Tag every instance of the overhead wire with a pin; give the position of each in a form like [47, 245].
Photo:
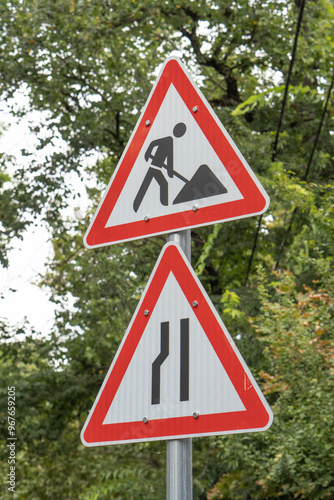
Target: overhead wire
[279, 126]
[304, 178]
[319, 129]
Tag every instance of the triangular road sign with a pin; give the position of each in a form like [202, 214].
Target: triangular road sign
[180, 169]
[177, 372]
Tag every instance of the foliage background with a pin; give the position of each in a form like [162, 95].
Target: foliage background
[90, 66]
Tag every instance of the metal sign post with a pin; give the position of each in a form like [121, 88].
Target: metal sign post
[179, 451]
[176, 127]
[179, 469]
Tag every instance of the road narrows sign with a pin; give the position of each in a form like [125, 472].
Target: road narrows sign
[177, 372]
[180, 169]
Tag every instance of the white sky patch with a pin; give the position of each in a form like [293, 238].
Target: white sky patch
[21, 298]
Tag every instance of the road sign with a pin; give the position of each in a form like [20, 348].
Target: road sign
[180, 169]
[177, 372]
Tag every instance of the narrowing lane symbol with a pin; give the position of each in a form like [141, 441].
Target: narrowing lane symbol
[164, 353]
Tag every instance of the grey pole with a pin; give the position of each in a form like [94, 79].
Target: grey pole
[179, 451]
[182, 238]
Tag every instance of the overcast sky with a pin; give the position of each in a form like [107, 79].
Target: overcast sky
[28, 257]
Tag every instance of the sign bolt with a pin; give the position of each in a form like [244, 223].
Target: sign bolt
[195, 208]
[148, 123]
[146, 312]
[195, 109]
[146, 218]
[196, 414]
[195, 303]
[145, 420]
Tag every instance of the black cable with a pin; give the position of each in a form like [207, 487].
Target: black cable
[319, 129]
[273, 157]
[254, 248]
[293, 56]
[307, 169]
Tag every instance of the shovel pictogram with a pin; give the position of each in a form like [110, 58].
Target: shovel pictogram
[203, 184]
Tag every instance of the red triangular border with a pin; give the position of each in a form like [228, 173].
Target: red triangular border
[257, 415]
[255, 200]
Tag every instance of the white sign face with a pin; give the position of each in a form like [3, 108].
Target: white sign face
[210, 389]
[180, 169]
[149, 180]
[177, 372]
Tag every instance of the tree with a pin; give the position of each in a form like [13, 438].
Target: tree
[90, 67]
[296, 458]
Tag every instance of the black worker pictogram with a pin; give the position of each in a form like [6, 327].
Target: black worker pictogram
[160, 155]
